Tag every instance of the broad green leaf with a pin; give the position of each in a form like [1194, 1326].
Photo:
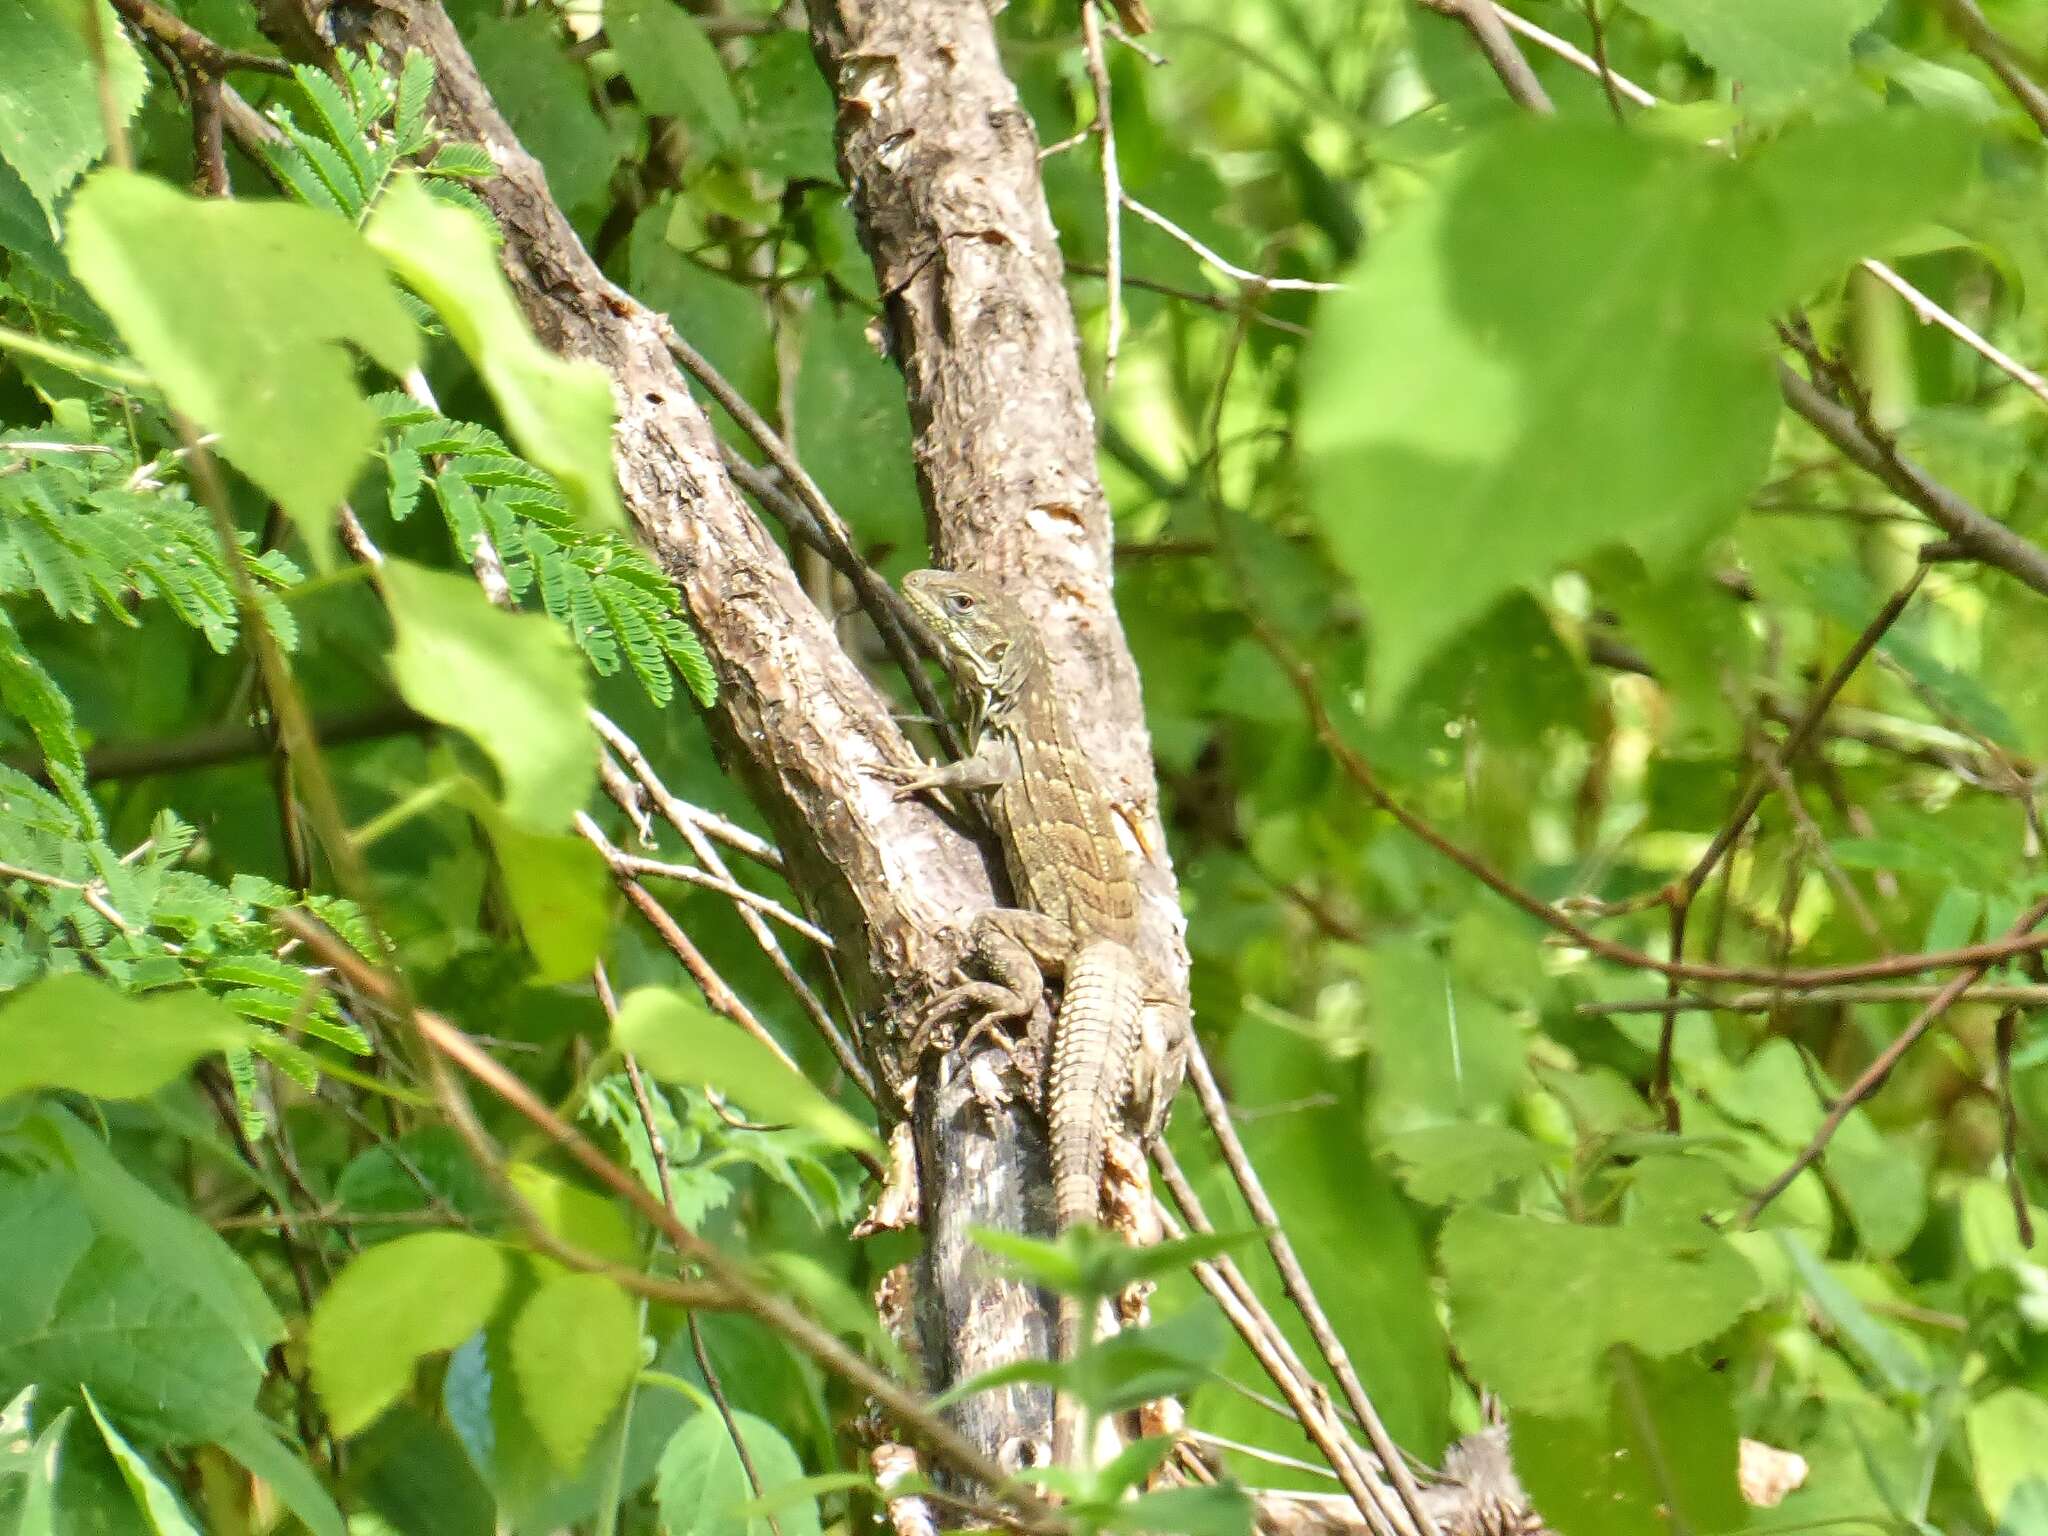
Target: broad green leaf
[1464, 1161]
[185, 1253]
[387, 1177]
[574, 1214]
[1560, 414]
[558, 412]
[239, 311]
[1870, 1338]
[789, 111]
[1543, 1342]
[50, 123]
[1441, 1051]
[83, 1034]
[575, 1348]
[512, 682]
[160, 1506]
[545, 97]
[1771, 48]
[1833, 211]
[1661, 1456]
[673, 67]
[413, 1472]
[95, 1311]
[256, 1446]
[560, 891]
[1221, 1509]
[680, 1040]
[2008, 1433]
[703, 1487]
[724, 320]
[1591, 306]
[391, 1305]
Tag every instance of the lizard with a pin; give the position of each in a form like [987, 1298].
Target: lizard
[1077, 917]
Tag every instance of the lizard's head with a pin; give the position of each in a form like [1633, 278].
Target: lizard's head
[986, 638]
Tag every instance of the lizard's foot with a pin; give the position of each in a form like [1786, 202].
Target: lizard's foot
[910, 779]
[1026, 1052]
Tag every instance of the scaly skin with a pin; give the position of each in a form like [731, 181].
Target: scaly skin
[1078, 912]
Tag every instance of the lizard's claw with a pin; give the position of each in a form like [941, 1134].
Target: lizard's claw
[909, 779]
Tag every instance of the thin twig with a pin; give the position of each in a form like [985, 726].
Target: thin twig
[1489, 30]
[689, 874]
[1295, 1280]
[1112, 187]
[643, 1101]
[1874, 1075]
[1360, 772]
[874, 593]
[2031, 995]
[1257, 282]
[1227, 1286]
[1982, 39]
[732, 1285]
[1802, 733]
[2009, 1127]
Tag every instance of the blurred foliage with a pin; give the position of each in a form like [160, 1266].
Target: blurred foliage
[1520, 490]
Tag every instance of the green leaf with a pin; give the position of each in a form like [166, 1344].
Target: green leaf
[2008, 1434]
[256, 1446]
[1662, 1457]
[575, 1349]
[1858, 1326]
[575, 1215]
[1222, 1509]
[98, 1312]
[391, 1305]
[238, 310]
[1591, 305]
[1543, 1341]
[560, 891]
[1465, 1161]
[789, 111]
[1832, 210]
[673, 68]
[559, 412]
[50, 123]
[153, 1497]
[1770, 47]
[80, 1033]
[546, 99]
[680, 1040]
[511, 682]
[1442, 1051]
[702, 1486]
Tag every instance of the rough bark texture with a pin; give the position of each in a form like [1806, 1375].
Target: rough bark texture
[796, 719]
[941, 162]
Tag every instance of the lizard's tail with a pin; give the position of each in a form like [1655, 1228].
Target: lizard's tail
[1093, 1039]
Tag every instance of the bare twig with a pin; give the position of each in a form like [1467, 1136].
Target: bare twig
[2009, 1127]
[1489, 30]
[1296, 1282]
[1762, 1002]
[1800, 737]
[1112, 188]
[731, 1285]
[1874, 1075]
[1258, 282]
[1982, 39]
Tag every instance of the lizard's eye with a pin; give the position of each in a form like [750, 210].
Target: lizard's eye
[959, 602]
